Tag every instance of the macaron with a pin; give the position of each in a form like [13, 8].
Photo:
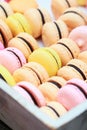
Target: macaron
[6, 76]
[53, 31]
[58, 6]
[54, 109]
[25, 43]
[74, 17]
[1, 46]
[82, 2]
[32, 72]
[51, 87]
[83, 56]
[12, 58]
[79, 35]
[34, 95]
[48, 58]
[5, 10]
[5, 33]
[67, 49]
[22, 6]
[73, 93]
[18, 23]
[75, 68]
[37, 18]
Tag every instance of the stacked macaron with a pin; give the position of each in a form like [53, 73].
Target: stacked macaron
[32, 72]
[12, 58]
[25, 43]
[73, 93]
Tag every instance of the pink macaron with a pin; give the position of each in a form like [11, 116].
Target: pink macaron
[1, 46]
[79, 35]
[32, 93]
[12, 58]
[73, 93]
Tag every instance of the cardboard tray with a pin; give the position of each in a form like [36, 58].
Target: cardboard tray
[19, 114]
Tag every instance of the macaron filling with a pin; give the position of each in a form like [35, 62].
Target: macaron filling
[42, 16]
[1, 76]
[59, 31]
[16, 56]
[3, 37]
[28, 44]
[68, 3]
[67, 48]
[75, 13]
[4, 11]
[54, 110]
[55, 83]
[79, 70]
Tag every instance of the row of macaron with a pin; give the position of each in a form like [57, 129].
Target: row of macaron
[38, 22]
[55, 97]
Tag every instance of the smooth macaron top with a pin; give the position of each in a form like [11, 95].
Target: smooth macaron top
[48, 58]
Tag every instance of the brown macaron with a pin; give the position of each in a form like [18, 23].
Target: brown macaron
[53, 31]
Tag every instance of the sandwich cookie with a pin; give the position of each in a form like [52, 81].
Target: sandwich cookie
[51, 87]
[48, 58]
[83, 56]
[73, 93]
[5, 33]
[25, 43]
[37, 18]
[32, 72]
[12, 59]
[5, 10]
[74, 17]
[18, 23]
[54, 109]
[82, 2]
[33, 94]
[58, 6]
[22, 6]
[79, 35]
[6, 76]
[1, 46]
[53, 31]
[75, 68]
[67, 49]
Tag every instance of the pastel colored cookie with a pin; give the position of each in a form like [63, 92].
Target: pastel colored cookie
[5, 33]
[32, 72]
[12, 58]
[51, 87]
[34, 95]
[83, 56]
[1, 46]
[5, 10]
[18, 23]
[79, 35]
[53, 31]
[48, 58]
[37, 18]
[74, 17]
[82, 2]
[59, 6]
[22, 6]
[6, 76]
[25, 43]
[54, 109]
[73, 93]
[67, 49]
[75, 68]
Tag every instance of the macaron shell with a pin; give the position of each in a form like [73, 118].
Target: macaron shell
[1, 46]
[53, 31]
[34, 18]
[46, 57]
[58, 7]
[79, 35]
[6, 33]
[74, 17]
[83, 56]
[34, 91]
[22, 6]
[7, 76]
